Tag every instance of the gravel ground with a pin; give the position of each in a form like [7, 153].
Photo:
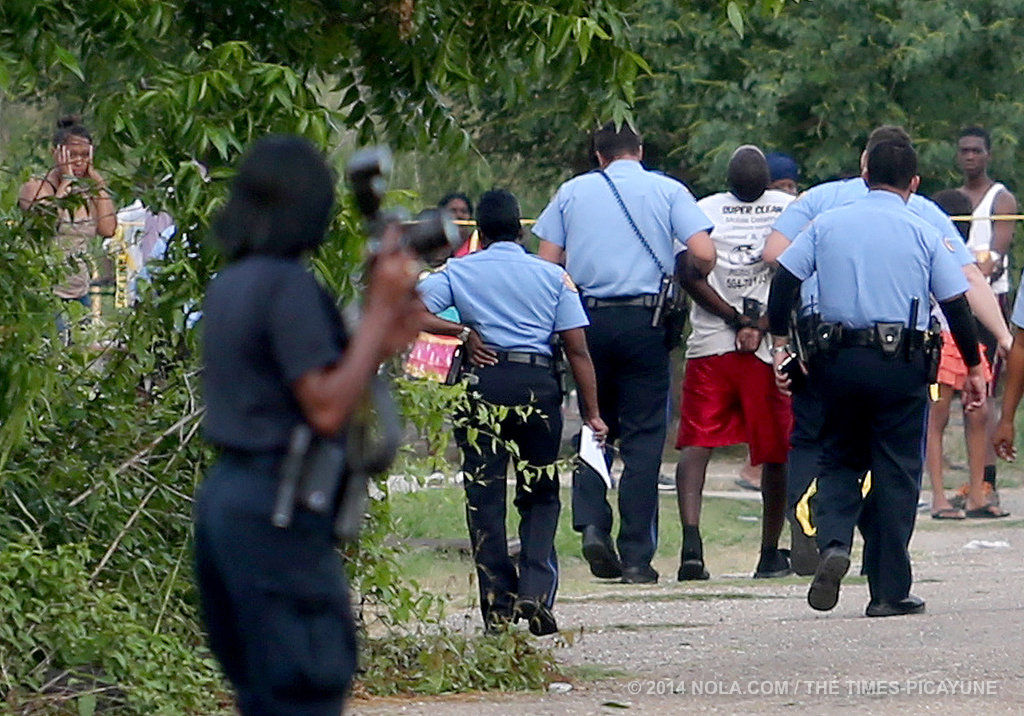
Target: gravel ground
[734, 645]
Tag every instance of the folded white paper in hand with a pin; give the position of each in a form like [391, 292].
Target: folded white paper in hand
[592, 454]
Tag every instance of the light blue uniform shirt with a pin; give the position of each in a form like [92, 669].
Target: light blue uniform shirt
[834, 194]
[872, 257]
[1017, 318]
[514, 300]
[602, 253]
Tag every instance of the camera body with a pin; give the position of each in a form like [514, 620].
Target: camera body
[431, 233]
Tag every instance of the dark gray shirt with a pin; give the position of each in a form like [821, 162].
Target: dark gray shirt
[266, 322]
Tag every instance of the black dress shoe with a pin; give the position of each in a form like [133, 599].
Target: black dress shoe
[645, 574]
[600, 554]
[497, 621]
[692, 569]
[824, 591]
[908, 605]
[774, 566]
[803, 553]
[539, 618]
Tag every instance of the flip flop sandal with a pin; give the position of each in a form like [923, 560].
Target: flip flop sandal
[987, 513]
[948, 513]
[746, 484]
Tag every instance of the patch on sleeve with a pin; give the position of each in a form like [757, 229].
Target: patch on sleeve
[568, 283]
[948, 243]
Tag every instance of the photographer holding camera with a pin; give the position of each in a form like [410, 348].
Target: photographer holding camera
[277, 357]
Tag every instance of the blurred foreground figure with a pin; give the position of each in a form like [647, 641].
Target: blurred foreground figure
[276, 357]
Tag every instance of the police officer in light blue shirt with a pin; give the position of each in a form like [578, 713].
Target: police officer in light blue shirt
[805, 440]
[511, 304]
[877, 264]
[616, 231]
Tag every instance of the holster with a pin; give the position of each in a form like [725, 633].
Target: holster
[933, 348]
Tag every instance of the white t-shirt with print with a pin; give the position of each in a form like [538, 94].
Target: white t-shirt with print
[740, 230]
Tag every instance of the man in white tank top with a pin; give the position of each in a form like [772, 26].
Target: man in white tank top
[990, 241]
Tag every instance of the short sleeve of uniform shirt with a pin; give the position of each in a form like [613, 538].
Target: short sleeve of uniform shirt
[687, 217]
[947, 277]
[934, 215]
[436, 291]
[569, 312]
[549, 226]
[301, 325]
[798, 258]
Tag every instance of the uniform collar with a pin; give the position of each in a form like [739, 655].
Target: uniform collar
[624, 166]
[884, 195]
[509, 246]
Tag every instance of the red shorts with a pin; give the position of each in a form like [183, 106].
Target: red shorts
[952, 369]
[732, 398]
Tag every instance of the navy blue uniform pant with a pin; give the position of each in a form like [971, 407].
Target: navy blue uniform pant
[274, 601]
[632, 367]
[874, 410]
[485, 465]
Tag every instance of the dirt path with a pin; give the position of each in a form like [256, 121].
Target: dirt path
[734, 645]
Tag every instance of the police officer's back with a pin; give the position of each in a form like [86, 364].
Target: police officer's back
[617, 231]
[511, 304]
[877, 265]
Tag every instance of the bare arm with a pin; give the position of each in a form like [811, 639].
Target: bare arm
[985, 306]
[1002, 231]
[582, 366]
[100, 204]
[1004, 434]
[774, 245]
[701, 250]
[551, 252]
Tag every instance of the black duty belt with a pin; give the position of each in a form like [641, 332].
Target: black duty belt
[524, 358]
[872, 338]
[648, 300]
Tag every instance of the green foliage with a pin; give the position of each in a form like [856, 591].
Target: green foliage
[98, 445]
[64, 633]
[453, 661]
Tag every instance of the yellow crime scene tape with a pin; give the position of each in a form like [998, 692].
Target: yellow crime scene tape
[993, 217]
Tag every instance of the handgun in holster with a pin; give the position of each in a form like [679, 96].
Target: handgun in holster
[560, 363]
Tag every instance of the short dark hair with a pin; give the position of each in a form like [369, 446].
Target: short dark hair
[976, 131]
[443, 203]
[955, 203]
[70, 125]
[748, 173]
[892, 163]
[498, 216]
[280, 200]
[886, 133]
[612, 142]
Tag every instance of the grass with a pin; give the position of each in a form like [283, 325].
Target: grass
[730, 528]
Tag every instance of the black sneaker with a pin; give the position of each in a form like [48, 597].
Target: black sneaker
[824, 591]
[600, 554]
[692, 569]
[775, 566]
[497, 621]
[644, 574]
[539, 618]
[909, 605]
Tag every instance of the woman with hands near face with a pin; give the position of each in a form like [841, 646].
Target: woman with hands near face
[78, 223]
